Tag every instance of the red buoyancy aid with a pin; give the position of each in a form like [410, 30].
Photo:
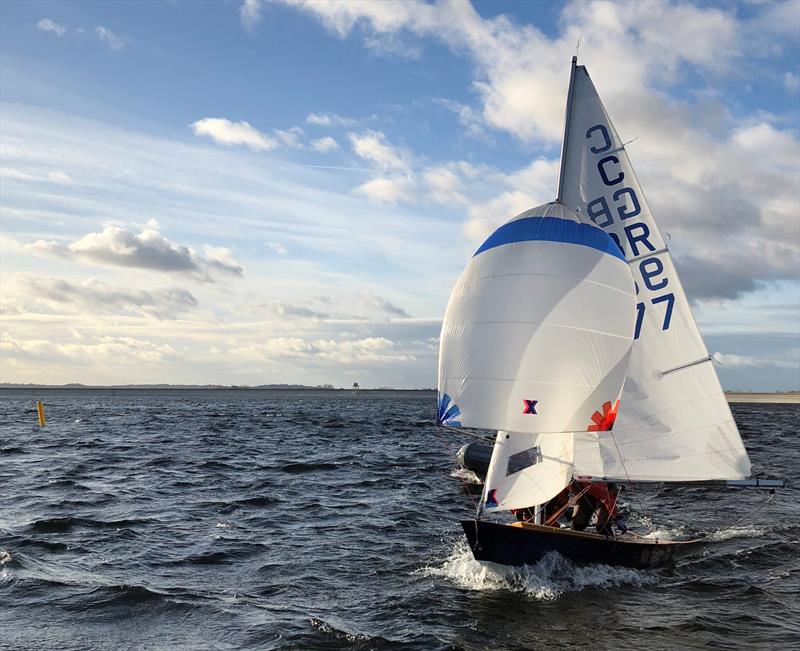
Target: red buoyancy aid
[601, 492]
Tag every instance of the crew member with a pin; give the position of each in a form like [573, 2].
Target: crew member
[599, 499]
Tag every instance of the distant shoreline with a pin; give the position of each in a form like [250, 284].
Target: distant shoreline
[781, 398]
[777, 397]
[194, 387]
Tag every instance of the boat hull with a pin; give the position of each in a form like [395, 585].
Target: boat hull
[526, 544]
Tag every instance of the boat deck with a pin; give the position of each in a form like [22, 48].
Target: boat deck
[627, 537]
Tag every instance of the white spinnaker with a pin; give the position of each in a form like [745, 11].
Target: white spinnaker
[674, 422]
[538, 329]
[527, 469]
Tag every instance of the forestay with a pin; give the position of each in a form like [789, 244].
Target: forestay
[674, 422]
[538, 329]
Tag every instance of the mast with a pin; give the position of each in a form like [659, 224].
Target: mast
[568, 114]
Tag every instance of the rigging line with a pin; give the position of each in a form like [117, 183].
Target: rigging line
[464, 432]
[465, 487]
[744, 517]
[624, 467]
[730, 526]
[570, 502]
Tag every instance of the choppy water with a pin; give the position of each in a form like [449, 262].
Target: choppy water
[265, 520]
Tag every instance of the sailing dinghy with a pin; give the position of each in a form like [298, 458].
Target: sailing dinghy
[570, 334]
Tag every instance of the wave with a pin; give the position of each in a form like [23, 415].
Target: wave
[258, 500]
[217, 465]
[683, 533]
[548, 579]
[297, 468]
[63, 524]
[357, 640]
[210, 558]
[736, 532]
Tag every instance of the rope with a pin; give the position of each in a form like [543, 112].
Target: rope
[464, 483]
[624, 467]
[464, 432]
[730, 526]
[570, 502]
[744, 517]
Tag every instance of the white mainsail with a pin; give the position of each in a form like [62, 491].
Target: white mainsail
[535, 340]
[674, 422]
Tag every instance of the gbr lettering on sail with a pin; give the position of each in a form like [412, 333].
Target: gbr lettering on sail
[618, 210]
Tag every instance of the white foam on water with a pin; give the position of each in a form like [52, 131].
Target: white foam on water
[5, 572]
[465, 475]
[736, 532]
[548, 579]
[668, 533]
[339, 633]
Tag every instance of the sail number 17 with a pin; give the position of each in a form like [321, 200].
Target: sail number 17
[669, 299]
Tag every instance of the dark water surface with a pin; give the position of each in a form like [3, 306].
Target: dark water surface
[267, 520]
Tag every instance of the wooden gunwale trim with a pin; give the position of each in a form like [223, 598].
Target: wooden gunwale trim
[591, 536]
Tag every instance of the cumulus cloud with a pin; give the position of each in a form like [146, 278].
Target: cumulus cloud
[370, 350]
[325, 144]
[730, 359]
[290, 138]
[530, 186]
[250, 13]
[290, 311]
[391, 190]
[468, 117]
[150, 250]
[714, 181]
[374, 147]
[226, 132]
[330, 120]
[97, 297]
[47, 25]
[375, 302]
[444, 185]
[95, 351]
[792, 82]
[108, 37]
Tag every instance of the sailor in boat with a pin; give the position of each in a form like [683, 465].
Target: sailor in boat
[588, 500]
[597, 499]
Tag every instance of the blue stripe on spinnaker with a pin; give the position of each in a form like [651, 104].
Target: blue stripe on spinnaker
[447, 411]
[552, 229]
[451, 413]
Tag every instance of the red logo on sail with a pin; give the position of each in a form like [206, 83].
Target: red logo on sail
[605, 421]
[529, 406]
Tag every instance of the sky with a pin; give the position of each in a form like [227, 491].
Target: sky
[286, 192]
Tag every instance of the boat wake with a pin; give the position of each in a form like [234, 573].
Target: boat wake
[548, 579]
